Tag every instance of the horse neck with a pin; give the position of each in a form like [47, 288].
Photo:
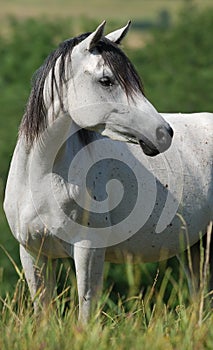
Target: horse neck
[44, 150]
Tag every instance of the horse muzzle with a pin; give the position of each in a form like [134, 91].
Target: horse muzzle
[164, 135]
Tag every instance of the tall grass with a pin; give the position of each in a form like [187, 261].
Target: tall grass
[141, 321]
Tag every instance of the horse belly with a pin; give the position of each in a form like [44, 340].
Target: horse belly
[147, 245]
[183, 205]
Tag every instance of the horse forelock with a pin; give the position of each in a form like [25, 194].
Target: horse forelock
[121, 67]
[34, 120]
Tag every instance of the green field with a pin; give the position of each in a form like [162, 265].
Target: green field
[110, 9]
[118, 11]
[135, 321]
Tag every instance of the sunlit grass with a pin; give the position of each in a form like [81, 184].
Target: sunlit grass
[140, 321]
[146, 324]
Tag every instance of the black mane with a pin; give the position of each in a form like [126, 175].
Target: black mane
[34, 120]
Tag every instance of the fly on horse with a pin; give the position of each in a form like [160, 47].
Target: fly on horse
[98, 173]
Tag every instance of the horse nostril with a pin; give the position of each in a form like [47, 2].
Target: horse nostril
[162, 133]
[170, 131]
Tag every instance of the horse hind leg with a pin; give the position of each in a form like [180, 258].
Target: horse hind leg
[190, 262]
[198, 265]
[211, 267]
[40, 276]
[207, 270]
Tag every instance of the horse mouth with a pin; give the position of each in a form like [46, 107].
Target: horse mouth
[148, 147]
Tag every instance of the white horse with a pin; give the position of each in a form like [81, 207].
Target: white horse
[74, 190]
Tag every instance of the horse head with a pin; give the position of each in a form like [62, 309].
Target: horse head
[90, 79]
[105, 94]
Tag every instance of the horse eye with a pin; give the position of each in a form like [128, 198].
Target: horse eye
[106, 81]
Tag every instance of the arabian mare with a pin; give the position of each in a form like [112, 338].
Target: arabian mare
[98, 173]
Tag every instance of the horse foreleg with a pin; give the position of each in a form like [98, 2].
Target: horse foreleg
[40, 276]
[89, 265]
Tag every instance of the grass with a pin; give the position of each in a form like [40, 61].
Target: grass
[142, 321]
[146, 325]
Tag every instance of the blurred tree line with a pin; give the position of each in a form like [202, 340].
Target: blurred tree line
[175, 66]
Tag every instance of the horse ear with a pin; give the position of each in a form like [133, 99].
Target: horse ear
[97, 35]
[118, 35]
[92, 40]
